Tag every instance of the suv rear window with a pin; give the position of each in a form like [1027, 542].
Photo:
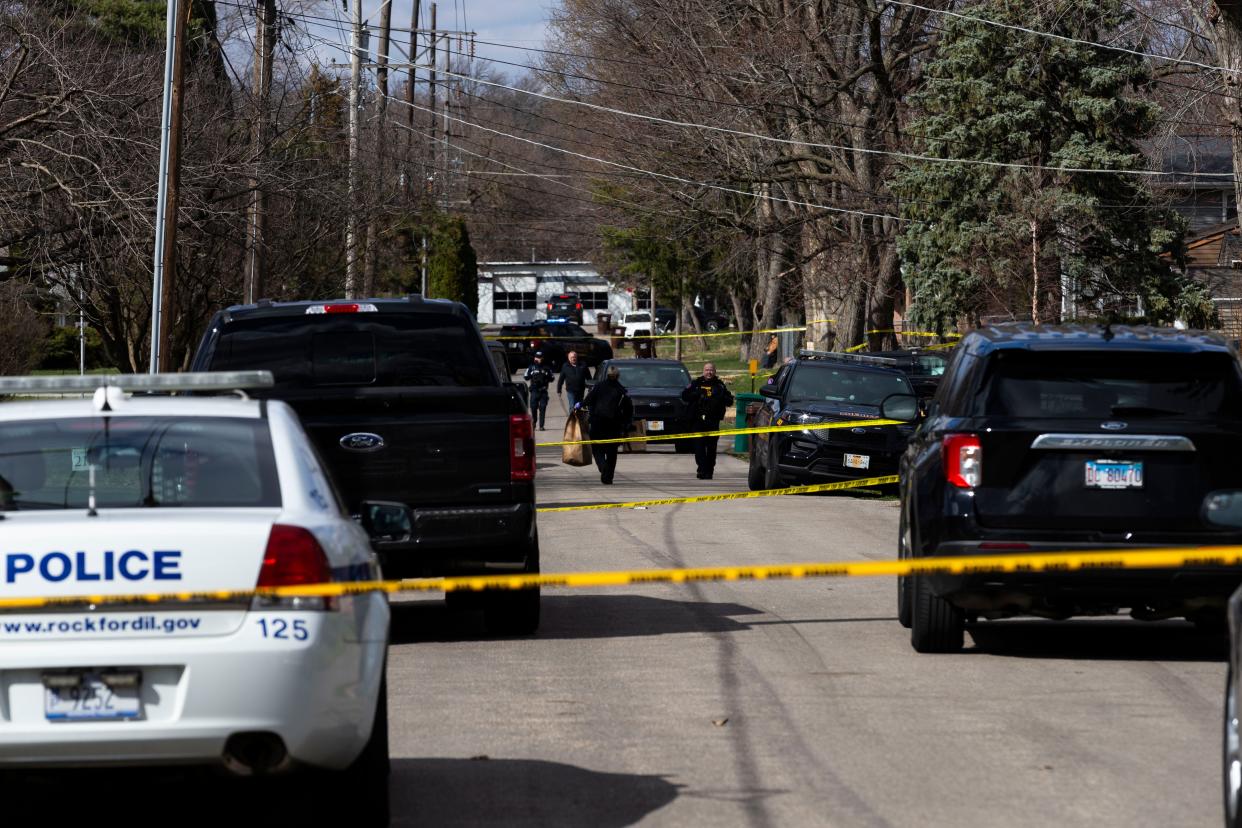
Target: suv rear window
[367, 349]
[138, 462]
[1104, 385]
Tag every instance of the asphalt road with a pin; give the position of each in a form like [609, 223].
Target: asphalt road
[783, 703]
[751, 704]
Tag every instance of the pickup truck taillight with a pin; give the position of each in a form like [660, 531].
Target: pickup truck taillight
[293, 558]
[521, 448]
[963, 460]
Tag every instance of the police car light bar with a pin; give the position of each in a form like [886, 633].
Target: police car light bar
[205, 381]
[844, 357]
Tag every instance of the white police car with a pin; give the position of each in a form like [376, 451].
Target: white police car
[137, 494]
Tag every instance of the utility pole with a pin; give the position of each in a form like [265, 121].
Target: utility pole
[256, 236]
[435, 148]
[351, 221]
[371, 267]
[407, 174]
[164, 281]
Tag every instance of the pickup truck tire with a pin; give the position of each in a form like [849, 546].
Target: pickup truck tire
[937, 626]
[514, 612]
[712, 326]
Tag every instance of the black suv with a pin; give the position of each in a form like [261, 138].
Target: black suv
[405, 405]
[1068, 438]
[564, 307]
[819, 387]
[555, 339]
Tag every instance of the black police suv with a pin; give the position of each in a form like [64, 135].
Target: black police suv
[655, 387]
[1050, 438]
[819, 387]
[555, 339]
[405, 405]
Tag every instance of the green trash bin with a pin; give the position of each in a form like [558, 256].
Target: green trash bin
[741, 442]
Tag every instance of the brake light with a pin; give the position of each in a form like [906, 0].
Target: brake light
[293, 558]
[963, 460]
[351, 307]
[521, 448]
[578, 306]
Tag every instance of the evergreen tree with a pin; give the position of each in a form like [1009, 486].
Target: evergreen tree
[985, 232]
[452, 267]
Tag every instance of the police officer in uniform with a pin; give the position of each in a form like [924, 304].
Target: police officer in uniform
[708, 399]
[611, 412]
[538, 377]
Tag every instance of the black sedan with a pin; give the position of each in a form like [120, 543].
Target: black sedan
[655, 387]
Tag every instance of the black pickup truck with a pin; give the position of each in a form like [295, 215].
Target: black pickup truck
[405, 405]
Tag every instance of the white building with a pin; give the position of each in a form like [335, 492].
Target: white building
[513, 292]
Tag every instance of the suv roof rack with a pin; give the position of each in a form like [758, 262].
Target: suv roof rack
[166, 383]
[838, 356]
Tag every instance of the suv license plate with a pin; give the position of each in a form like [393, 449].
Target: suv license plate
[90, 700]
[655, 425]
[858, 461]
[1113, 474]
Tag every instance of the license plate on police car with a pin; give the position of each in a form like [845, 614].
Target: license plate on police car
[857, 461]
[1114, 474]
[655, 425]
[90, 699]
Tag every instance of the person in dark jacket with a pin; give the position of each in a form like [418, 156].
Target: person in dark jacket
[610, 413]
[574, 376]
[708, 399]
[538, 377]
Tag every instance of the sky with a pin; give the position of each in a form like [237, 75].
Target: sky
[517, 23]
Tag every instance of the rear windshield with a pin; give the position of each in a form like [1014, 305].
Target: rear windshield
[816, 382]
[653, 376]
[1104, 385]
[138, 462]
[638, 317]
[358, 349]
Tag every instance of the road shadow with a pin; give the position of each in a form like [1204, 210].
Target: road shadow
[575, 617]
[421, 792]
[520, 792]
[1098, 640]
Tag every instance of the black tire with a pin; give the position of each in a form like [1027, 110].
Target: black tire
[514, 612]
[905, 610]
[367, 778]
[712, 326]
[1231, 764]
[772, 471]
[683, 446]
[756, 476]
[936, 626]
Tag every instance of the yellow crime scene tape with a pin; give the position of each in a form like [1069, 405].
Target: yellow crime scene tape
[666, 336]
[1159, 558]
[724, 432]
[716, 498]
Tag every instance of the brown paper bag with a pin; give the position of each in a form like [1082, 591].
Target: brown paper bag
[639, 429]
[576, 429]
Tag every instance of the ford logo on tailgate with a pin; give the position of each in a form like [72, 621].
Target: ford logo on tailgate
[362, 441]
